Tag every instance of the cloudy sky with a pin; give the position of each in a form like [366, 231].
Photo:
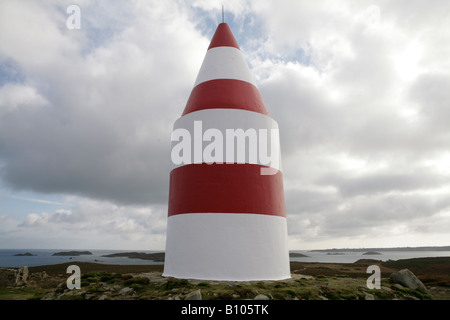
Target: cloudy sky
[360, 89]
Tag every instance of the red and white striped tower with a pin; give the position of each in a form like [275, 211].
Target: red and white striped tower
[226, 218]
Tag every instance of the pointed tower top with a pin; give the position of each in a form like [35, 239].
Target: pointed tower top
[223, 37]
[224, 80]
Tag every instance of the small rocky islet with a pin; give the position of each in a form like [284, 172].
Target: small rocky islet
[297, 255]
[157, 256]
[26, 254]
[72, 253]
[371, 253]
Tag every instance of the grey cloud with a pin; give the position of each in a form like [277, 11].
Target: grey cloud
[431, 94]
[304, 201]
[368, 215]
[105, 132]
[383, 182]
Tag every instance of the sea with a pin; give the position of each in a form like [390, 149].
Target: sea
[353, 256]
[40, 257]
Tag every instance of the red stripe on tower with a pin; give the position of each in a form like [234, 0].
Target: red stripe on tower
[237, 188]
[225, 94]
[223, 37]
[226, 219]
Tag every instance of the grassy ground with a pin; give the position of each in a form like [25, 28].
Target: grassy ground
[310, 281]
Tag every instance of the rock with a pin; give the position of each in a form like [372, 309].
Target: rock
[407, 278]
[126, 291]
[116, 287]
[65, 293]
[105, 287]
[369, 296]
[25, 274]
[408, 297]
[89, 296]
[49, 296]
[22, 276]
[7, 277]
[194, 295]
[397, 286]
[40, 275]
[261, 297]
[103, 297]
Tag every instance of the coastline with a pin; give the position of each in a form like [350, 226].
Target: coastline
[35, 257]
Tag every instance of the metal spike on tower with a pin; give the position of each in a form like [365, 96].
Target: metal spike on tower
[226, 216]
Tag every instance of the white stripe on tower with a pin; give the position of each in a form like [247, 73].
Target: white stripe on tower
[226, 221]
[254, 125]
[224, 63]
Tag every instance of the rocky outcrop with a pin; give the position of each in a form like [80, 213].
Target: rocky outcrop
[126, 291]
[368, 296]
[406, 278]
[21, 276]
[195, 295]
[7, 277]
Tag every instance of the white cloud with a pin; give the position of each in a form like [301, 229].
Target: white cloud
[14, 97]
[90, 224]
[109, 109]
[354, 112]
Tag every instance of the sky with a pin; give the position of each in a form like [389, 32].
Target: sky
[360, 90]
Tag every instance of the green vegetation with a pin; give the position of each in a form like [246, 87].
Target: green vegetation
[310, 281]
[21, 294]
[176, 283]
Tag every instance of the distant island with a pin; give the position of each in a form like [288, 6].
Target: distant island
[335, 253]
[370, 253]
[439, 248]
[26, 254]
[297, 255]
[72, 253]
[158, 256]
